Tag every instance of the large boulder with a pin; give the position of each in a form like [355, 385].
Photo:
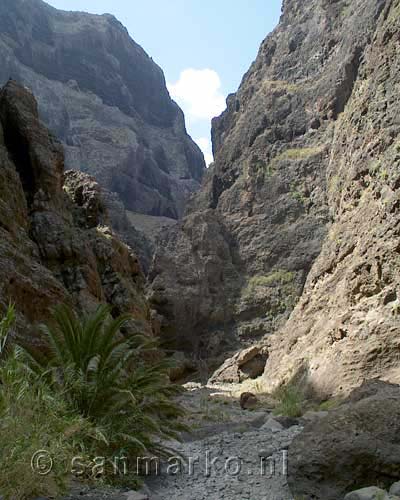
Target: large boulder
[246, 364]
[354, 446]
[372, 493]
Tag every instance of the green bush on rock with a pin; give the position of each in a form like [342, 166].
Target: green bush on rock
[279, 276]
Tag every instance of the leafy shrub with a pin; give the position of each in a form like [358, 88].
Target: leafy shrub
[296, 192]
[89, 394]
[32, 418]
[280, 276]
[261, 167]
[103, 377]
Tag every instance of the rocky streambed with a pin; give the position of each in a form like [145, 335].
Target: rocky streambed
[231, 465]
[350, 452]
[230, 454]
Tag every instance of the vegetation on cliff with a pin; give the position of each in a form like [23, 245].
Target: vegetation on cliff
[89, 393]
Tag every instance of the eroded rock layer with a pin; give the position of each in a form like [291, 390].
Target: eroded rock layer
[55, 243]
[346, 327]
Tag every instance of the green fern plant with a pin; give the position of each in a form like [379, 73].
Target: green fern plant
[102, 375]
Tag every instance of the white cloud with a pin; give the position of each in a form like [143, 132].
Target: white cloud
[198, 93]
[205, 145]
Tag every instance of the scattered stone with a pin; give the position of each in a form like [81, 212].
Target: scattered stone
[372, 493]
[313, 415]
[272, 425]
[183, 366]
[259, 452]
[395, 489]
[266, 452]
[136, 495]
[248, 401]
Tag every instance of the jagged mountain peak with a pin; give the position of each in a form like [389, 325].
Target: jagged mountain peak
[106, 99]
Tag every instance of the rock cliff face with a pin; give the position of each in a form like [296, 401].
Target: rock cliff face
[233, 270]
[301, 207]
[55, 245]
[102, 95]
[347, 322]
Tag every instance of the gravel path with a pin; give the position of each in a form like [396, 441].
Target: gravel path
[231, 454]
[229, 466]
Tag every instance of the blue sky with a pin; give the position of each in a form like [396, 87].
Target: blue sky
[204, 47]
